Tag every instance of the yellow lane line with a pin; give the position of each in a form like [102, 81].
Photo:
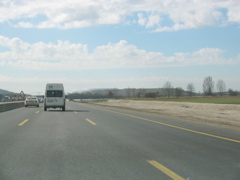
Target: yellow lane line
[165, 170]
[37, 112]
[177, 127]
[93, 123]
[22, 123]
[75, 111]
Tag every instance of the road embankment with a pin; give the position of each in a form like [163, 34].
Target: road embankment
[221, 114]
[6, 106]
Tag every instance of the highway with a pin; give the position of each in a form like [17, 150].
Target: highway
[92, 142]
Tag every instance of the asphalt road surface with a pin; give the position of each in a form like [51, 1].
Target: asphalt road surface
[89, 142]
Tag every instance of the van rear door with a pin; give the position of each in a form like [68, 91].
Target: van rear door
[55, 98]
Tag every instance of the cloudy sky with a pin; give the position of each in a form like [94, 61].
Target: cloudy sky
[88, 44]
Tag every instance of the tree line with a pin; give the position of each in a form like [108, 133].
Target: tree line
[221, 89]
[209, 89]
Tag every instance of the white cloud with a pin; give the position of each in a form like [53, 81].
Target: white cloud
[84, 13]
[148, 21]
[66, 55]
[141, 19]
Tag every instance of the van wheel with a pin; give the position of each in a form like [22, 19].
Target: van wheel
[63, 109]
[45, 108]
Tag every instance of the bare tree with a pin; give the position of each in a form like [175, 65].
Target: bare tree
[110, 94]
[232, 92]
[179, 92]
[221, 87]
[128, 90]
[141, 93]
[191, 89]
[115, 92]
[208, 86]
[133, 92]
[168, 89]
[151, 95]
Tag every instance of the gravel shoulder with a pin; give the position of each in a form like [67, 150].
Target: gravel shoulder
[221, 114]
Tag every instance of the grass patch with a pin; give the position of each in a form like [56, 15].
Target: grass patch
[214, 100]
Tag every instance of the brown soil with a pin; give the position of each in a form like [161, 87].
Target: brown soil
[223, 114]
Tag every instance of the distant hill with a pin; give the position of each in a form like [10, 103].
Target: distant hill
[2, 91]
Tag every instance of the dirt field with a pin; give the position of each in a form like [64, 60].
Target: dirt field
[209, 113]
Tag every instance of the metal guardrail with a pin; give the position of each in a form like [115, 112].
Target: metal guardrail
[6, 106]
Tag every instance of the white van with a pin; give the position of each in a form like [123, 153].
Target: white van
[54, 96]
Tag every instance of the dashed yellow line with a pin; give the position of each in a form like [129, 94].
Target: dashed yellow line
[37, 112]
[165, 170]
[22, 123]
[75, 111]
[93, 123]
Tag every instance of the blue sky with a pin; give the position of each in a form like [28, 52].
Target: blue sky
[118, 44]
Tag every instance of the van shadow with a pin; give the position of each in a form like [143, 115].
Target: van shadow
[31, 107]
[76, 110]
[60, 110]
